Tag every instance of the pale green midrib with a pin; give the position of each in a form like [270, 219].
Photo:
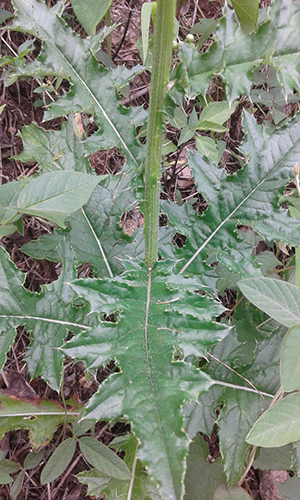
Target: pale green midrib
[39, 414]
[87, 88]
[282, 160]
[98, 243]
[149, 372]
[46, 320]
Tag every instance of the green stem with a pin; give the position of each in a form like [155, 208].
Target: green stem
[8, 221]
[162, 50]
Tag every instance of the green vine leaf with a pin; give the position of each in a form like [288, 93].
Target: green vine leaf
[234, 55]
[249, 197]
[158, 321]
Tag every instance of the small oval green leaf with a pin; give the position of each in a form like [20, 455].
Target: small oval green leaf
[59, 461]
[16, 487]
[103, 459]
[33, 459]
[278, 299]
[279, 425]
[290, 360]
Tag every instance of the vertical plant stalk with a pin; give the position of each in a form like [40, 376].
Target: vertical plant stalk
[162, 49]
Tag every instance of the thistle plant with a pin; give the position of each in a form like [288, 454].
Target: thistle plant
[181, 362]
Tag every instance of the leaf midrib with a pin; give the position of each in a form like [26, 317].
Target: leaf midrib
[89, 91]
[148, 369]
[245, 199]
[46, 320]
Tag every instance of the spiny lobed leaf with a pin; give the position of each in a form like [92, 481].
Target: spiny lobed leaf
[249, 197]
[158, 318]
[253, 352]
[240, 411]
[40, 416]
[93, 88]
[234, 55]
[94, 231]
[53, 149]
[49, 315]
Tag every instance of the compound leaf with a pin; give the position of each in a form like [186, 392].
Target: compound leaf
[154, 314]
[115, 489]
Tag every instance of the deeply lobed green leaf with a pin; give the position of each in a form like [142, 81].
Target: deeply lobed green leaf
[158, 319]
[234, 55]
[93, 88]
[40, 417]
[48, 315]
[249, 197]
